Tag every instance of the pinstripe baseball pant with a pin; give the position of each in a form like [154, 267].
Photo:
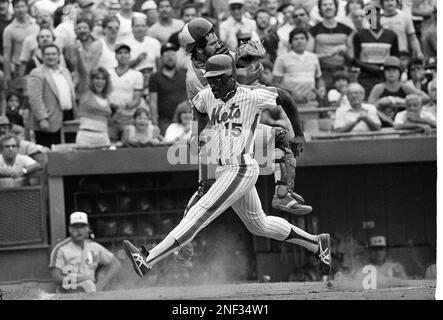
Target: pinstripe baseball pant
[235, 186]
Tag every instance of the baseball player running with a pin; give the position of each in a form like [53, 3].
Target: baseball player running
[233, 112]
[202, 42]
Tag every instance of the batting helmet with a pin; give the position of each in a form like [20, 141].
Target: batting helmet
[193, 31]
[218, 65]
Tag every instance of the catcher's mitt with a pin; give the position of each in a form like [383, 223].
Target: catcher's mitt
[248, 53]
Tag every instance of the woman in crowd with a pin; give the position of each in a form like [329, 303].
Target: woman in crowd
[14, 111]
[179, 129]
[417, 75]
[142, 133]
[389, 96]
[95, 112]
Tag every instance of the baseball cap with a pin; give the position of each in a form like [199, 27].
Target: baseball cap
[431, 63]
[4, 119]
[242, 2]
[121, 46]
[78, 217]
[392, 62]
[168, 47]
[218, 65]
[377, 241]
[194, 31]
[149, 5]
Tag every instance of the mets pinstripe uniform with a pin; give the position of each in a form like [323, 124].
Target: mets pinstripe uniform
[233, 124]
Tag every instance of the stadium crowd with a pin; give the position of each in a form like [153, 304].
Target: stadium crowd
[117, 68]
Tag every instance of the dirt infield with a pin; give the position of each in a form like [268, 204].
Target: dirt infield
[406, 290]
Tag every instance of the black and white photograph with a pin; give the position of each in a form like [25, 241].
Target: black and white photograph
[213, 158]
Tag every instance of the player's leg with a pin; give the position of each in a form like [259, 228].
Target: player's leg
[231, 184]
[285, 198]
[250, 211]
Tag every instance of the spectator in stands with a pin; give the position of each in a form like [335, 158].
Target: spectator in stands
[285, 29]
[338, 96]
[390, 95]
[431, 68]
[78, 258]
[316, 14]
[417, 76]
[236, 22]
[272, 6]
[13, 37]
[431, 107]
[51, 97]
[44, 37]
[401, 23]
[145, 50]
[125, 16]
[107, 59]
[64, 22]
[14, 112]
[149, 8]
[301, 18]
[299, 71]
[405, 59]
[332, 41]
[378, 256]
[355, 15]
[127, 87]
[423, 11]
[97, 29]
[251, 7]
[371, 48]
[167, 88]
[91, 47]
[429, 39]
[49, 5]
[180, 128]
[94, 110]
[267, 33]
[357, 116]
[142, 132]
[166, 24]
[5, 19]
[25, 147]
[31, 46]
[14, 167]
[414, 117]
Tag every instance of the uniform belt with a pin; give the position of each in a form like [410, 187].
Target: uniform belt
[242, 159]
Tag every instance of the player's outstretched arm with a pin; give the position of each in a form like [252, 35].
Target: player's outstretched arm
[289, 106]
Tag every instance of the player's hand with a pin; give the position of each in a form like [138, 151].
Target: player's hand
[297, 145]
[222, 48]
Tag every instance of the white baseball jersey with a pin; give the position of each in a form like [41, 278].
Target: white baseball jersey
[234, 122]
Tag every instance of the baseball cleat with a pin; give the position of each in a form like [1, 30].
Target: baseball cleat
[289, 204]
[137, 257]
[324, 251]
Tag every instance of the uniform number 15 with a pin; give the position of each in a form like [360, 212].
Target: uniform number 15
[233, 128]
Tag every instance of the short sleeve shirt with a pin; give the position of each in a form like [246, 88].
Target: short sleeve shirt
[328, 39]
[123, 86]
[299, 71]
[150, 46]
[15, 34]
[346, 114]
[402, 25]
[162, 33]
[69, 257]
[402, 116]
[21, 161]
